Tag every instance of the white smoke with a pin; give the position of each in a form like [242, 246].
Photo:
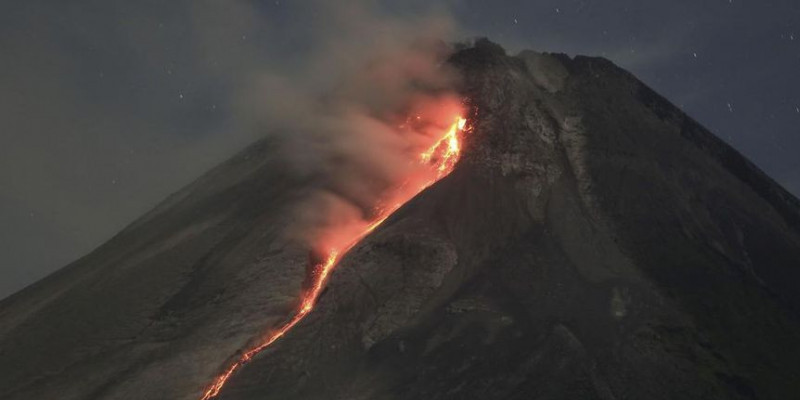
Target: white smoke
[343, 113]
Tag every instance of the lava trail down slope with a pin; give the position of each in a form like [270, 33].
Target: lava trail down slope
[440, 158]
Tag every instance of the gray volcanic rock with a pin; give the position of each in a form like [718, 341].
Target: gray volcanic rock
[593, 243]
[153, 313]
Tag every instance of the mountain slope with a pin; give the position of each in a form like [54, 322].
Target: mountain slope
[594, 242]
[156, 310]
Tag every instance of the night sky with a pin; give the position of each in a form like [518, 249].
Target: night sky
[108, 106]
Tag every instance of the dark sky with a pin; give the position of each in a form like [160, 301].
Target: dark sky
[108, 106]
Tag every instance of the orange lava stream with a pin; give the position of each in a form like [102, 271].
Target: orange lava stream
[442, 157]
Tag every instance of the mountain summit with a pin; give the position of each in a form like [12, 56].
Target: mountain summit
[593, 242]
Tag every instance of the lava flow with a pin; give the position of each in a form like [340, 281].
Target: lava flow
[440, 159]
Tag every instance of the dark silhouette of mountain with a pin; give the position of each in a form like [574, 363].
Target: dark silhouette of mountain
[594, 242]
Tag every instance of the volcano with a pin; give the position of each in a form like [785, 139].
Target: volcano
[592, 242]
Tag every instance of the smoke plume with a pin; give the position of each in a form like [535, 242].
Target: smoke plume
[111, 105]
[369, 97]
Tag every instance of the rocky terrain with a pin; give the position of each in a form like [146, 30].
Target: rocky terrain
[594, 242]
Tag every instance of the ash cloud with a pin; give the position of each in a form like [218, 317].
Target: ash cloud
[372, 93]
[109, 106]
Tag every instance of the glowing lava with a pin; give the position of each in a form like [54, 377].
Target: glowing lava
[440, 158]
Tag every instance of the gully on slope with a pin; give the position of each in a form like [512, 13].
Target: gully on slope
[439, 160]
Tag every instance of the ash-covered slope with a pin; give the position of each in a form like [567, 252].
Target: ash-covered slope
[153, 313]
[593, 243]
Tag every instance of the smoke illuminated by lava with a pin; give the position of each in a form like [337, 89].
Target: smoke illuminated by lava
[370, 123]
[434, 162]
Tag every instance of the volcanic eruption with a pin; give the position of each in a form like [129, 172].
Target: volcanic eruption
[438, 159]
[577, 237]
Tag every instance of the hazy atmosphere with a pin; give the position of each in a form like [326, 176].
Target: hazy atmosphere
[109, 106]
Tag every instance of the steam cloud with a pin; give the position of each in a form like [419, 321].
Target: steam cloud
[113, 104]
[368, 100]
